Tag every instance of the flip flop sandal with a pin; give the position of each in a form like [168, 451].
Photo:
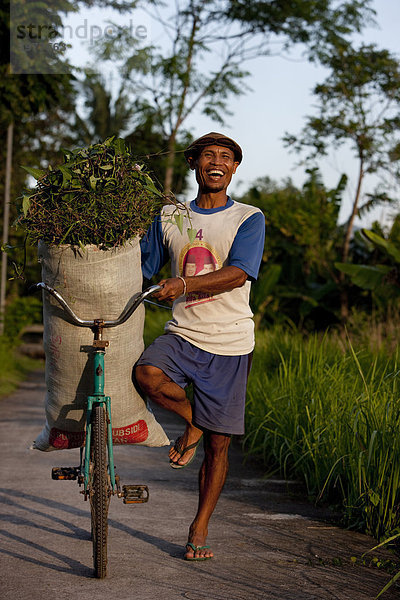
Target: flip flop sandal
[195, 548]
[182, 451]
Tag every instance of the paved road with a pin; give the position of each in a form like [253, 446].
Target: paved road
[268, 543]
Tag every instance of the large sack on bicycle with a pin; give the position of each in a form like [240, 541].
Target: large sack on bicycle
[96, 284]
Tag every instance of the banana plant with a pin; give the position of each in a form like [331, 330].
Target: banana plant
[372, 277]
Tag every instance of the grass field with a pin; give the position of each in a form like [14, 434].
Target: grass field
[329, 414]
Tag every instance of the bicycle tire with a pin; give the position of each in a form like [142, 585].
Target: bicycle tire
[99, 493]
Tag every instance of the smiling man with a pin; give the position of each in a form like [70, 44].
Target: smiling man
[210, 339]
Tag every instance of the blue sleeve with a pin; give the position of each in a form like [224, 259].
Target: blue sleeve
[154, 253]
[248, 246]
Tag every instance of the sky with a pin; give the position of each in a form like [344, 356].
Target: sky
[279, 99]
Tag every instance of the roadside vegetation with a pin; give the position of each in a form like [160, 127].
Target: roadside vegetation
[325, 411]
[322, 408]
[13, 366]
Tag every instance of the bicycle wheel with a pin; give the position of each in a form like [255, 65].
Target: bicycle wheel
[99, 493]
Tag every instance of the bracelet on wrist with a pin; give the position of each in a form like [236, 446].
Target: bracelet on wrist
[184, 284]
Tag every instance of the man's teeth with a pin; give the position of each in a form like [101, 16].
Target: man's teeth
[215, 173]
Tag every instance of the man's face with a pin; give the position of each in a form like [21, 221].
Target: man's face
[214, 167]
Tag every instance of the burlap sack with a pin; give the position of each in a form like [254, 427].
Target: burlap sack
[96, 284]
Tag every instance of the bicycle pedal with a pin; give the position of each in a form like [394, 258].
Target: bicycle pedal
[135, 494]
[66, 473]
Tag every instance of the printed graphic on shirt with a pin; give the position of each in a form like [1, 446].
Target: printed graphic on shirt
[195, 259]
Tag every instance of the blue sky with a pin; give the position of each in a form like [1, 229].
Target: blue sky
[279, 99]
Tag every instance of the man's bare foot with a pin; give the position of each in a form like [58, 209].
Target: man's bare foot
[185, 447]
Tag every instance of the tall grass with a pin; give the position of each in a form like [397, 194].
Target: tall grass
[331, 418]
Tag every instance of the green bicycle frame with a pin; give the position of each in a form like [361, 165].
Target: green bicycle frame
[98, 397]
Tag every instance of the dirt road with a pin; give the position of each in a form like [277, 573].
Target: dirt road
[268, 543]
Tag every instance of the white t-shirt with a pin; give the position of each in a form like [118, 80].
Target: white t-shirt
[218, 323]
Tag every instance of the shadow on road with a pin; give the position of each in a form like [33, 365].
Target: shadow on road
[10, 497]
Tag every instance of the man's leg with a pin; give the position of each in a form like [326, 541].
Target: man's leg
[163, 391]
[212, 477]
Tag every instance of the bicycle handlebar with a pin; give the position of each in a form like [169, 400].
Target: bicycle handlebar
[124, 316]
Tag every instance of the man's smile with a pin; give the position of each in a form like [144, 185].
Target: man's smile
[215, 173]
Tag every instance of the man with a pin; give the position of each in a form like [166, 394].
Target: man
[210, 338]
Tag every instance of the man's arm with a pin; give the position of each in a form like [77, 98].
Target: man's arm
[154, 254]
[219, 281]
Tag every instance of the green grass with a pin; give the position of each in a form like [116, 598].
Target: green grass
[330, 417]
[13, 366]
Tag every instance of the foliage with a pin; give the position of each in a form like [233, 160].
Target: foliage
[104, 116]
[20, 312]
[382, 278]
[154, 322]
[329, 417]
[13, 367]
[37, 105]
[41, 105]
[315, 24]
[358, 103]
[151, 145]
[297, 281]
[26, 97]
[99, 195]
[168, 84]
[109, 113]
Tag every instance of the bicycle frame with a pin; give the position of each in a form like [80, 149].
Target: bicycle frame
[98, 396]
[97, 470]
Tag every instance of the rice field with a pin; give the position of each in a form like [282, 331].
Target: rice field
[328, 413]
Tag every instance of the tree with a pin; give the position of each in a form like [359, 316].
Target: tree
[302, 243]
[358, 105]
[315, 25]
[170, 84]
[108, 113]
[104, 115]
[35, 106]
[22, 96]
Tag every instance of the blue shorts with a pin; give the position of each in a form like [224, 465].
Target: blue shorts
[219, 382]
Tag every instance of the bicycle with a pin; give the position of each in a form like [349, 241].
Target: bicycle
[96, 471]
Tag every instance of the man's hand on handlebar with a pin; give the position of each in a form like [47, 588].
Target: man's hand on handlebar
[171, 289]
